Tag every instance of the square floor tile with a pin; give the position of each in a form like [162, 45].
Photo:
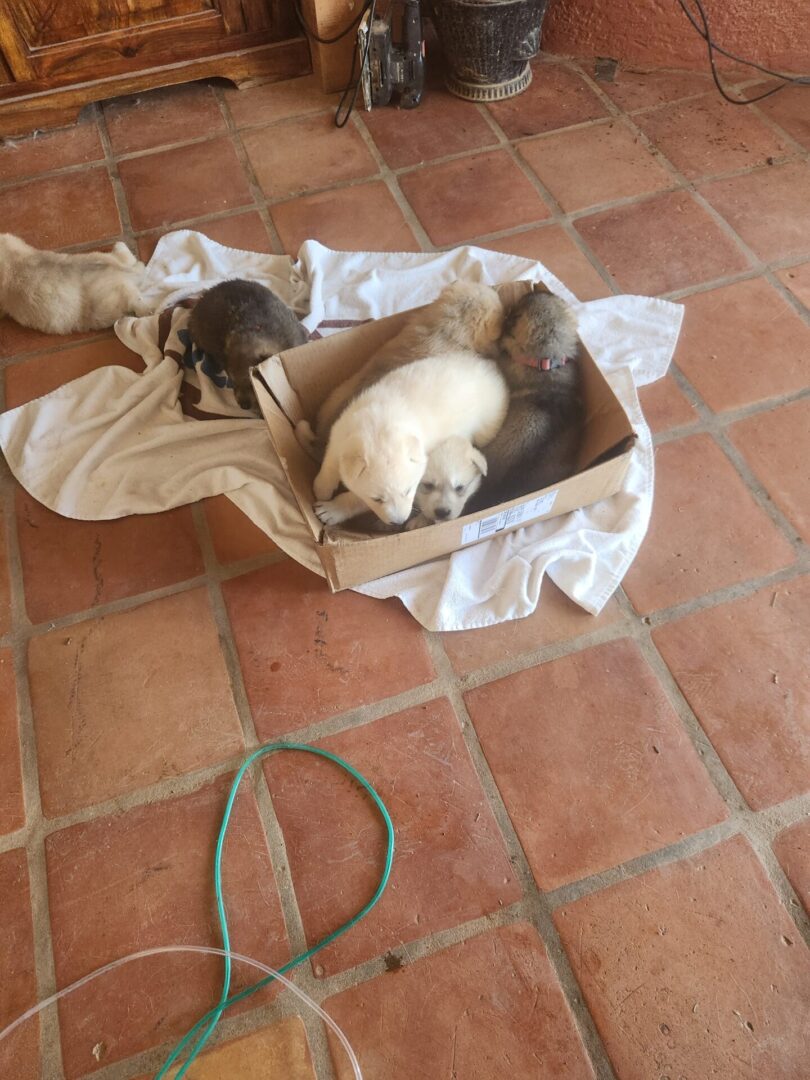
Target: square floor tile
[788, 108]
[659, 245]
[233, 534]
[245, 232]
[634, 90]
[254, 105]
[552, 246]
[743, 669]
[144, 878]
[158, 117]
[565, 164]
[40, 153]
[706, 530]
[556, 98]
[12, 808]
[489, 1008]
[19, 1053]
[307, 653]
[278, 1050]
[792, 849]
[592, 762]
[120, 703]
[768, 208]
[57, 211]
[471, 197]
[5, 584]
[364, 217]
[450, 863]
[777, 447]
[442, 125]
[665, 406]
[743, 343]
[797, 279]
[71, 566]
[205, 178]
[707, 136]
[693, 970]
[49, 370]
[556, 618]
[16, 340]
[300, 155]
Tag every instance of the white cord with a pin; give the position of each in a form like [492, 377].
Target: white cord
[193, 949]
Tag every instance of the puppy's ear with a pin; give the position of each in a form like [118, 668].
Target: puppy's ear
[479, 461]
[353, 464]
[415, 450]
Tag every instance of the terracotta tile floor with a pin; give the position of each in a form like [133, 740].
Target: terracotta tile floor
[603, 824]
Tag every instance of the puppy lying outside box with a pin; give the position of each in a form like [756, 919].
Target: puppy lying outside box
[292, 385]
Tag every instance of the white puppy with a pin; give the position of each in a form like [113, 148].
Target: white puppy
[452, 475]
[378, 446]
[59, 294]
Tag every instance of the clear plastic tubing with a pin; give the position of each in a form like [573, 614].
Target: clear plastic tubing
[327, 1019]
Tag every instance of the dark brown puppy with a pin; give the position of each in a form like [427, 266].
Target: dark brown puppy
[540, 439]
[239, 323]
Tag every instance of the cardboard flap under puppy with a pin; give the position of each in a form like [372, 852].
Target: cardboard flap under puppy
[293, 385]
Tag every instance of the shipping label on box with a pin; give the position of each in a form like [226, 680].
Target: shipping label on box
[509, 518]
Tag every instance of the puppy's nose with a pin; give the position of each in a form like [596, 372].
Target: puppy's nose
[442, 512]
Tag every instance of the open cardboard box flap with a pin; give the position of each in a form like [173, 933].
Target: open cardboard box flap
[292, 385]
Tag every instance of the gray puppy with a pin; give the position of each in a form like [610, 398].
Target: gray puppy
[540, 439]
[239, 323]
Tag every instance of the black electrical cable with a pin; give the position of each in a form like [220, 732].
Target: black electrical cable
[354, 88]
[713, 47]
[351, 87]
[338, 37]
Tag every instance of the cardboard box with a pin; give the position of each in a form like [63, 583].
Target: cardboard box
[292, 385]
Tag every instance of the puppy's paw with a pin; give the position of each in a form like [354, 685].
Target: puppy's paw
[330, 514]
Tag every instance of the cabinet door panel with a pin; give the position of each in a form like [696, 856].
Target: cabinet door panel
[48, 22]
[71, 40]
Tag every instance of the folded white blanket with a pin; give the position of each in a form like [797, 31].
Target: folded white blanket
[116, 442]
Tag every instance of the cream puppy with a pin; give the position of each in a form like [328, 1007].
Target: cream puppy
[59, 294]
[452, 475]
[379, 446]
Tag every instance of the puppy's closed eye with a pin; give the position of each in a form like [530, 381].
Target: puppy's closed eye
[427, 486]
[459, 488]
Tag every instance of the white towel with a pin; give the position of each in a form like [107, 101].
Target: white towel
[116, 442]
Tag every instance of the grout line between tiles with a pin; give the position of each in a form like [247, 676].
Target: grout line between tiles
[557, 215]
[256, 193]
[115, 179]
[391, 180]
[760, 266]
[715, 426]
[31, 834]
[534, 904]
[720, 421]
[231, 1026]
[274, 835]
[740, 590]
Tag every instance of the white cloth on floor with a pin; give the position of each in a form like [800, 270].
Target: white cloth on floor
[115, 442]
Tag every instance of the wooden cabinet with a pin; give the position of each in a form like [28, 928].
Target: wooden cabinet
[58, 55]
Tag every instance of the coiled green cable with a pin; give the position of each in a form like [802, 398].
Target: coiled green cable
[212, 1018]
